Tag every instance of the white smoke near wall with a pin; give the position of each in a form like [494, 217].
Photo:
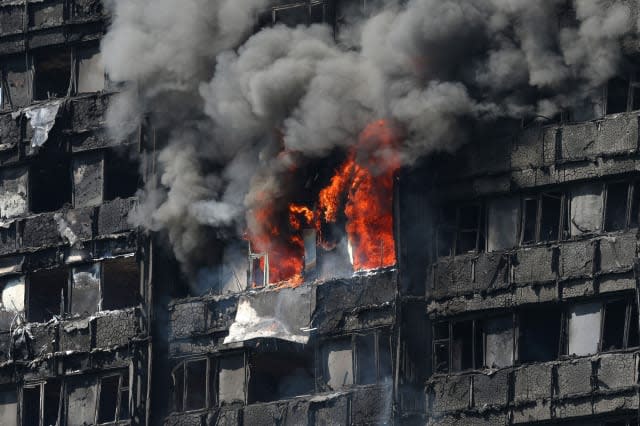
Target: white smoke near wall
[225, 100]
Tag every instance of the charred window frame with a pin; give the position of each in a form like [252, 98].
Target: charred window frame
[113, 398]
[619, 329]
[461, 229]
[544, 218]
[371, 357]
[622, 93]
[41, 403]
[621, 202]
[52, 73]
[461, 344]
[47, 294]
[296, 13]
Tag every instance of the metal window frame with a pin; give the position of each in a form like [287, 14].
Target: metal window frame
[120, 389]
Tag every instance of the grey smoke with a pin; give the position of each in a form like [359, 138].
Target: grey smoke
[432, 66]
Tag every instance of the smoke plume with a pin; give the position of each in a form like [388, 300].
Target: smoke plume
[237, 111]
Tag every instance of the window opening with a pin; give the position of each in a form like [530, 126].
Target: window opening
[120, 283]
[539, 330]
[47, 293]
[616, 206]
[52, 73]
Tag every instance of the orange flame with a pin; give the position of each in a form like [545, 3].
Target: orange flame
[364, 183]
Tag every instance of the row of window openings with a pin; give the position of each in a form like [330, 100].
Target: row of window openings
[52, 183]
[543, 334]
[545, 217]
[298, 13]
[74, 401]
[80, 290]
[270, 376]
[51, 73]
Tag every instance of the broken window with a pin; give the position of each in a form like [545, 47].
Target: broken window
[81, 401]
[337, 358]
[190, 385]
[41, 403]
[88, 179]
[550, 215]
[373, 358]
[542, 218]
[539, 329]
[85, 292]
[460, 230]
[120, 283]
[90, 69]
[47, 293]
[617, 95]
[498, 342]
[13, 192]
[16, 76]
[8, 407]
[231, 379]
[12, 302]
[113, 398]
[616, 206]
[586, 209]
[620, 324]
[473, 344]
[441, 347]
[52, 73]
[502, 220]
[279, 375]
[50, 184]
[121, 175]
[584, 328]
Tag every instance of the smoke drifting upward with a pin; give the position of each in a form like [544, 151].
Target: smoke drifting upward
[239, 113]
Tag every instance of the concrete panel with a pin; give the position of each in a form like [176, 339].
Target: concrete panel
[617, 371]
[532, 382]
[527, 149]
[617, 253]
[48, 13]
[186, 319]
[451, 393]
[576, 259]
[574, 377]
[11, 19]
[333, 411]
[578, 141]
[618, 134]
[491, 390]
[372, 406]
[533, 265]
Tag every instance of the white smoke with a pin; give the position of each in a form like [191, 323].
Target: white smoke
[431, 66]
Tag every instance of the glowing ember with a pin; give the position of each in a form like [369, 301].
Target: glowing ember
[362, 189]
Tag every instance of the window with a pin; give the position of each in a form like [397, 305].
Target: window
[460, 230]
[122, 177]
[279, 375]
[586, 209]
[50, 183]
[361, 359]
[542, 218]
[297, 13]
[90, 69]
[205, 382]
[85, 290]
[539, 330]
[120, 283]
[502, 223]
[52, 73]
[617, 95]
[8, 407]
[41, 403]
[473, 344]
[81, 400]
[113, 398]
[11, 299]
[617, 194]
[88, 179]
[47, 293]
[602, 326]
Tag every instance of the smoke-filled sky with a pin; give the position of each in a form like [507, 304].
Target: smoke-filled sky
[225, 99]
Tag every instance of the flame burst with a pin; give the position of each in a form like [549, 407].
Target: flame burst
[362, 189]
